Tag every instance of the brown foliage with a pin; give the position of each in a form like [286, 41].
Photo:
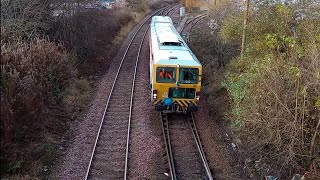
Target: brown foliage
[281, 123]
[33, 76]
[89, 32]
[38, 98]
[159, 4]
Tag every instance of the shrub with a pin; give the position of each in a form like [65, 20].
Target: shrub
[77, 96]
[274, 90]
[89, 32]
[214, 54]
[154, 5]
[40, 92]
[33, 78]
[138, 5]
[24, 19]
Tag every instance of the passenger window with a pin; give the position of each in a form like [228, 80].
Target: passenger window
[189, 75]
[165, 74]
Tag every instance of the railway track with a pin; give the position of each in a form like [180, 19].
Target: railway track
[186, 158]
[186, 29]
[185, 155]
[144, 161]
[172, 10]
[110, 153]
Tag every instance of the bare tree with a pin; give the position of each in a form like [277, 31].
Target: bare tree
[24, 18]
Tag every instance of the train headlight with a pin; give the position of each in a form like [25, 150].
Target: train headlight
[155, 93]
[198, 95]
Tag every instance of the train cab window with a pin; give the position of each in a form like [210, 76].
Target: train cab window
[189, 75]
[166, 75]
[184, 93]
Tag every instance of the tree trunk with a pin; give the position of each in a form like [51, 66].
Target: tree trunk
[246, 13]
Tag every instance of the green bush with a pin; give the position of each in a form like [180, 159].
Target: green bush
[275, 87]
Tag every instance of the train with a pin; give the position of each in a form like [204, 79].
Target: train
[175, 72]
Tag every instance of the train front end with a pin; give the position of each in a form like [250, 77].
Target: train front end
[177, 88]
[175, 72]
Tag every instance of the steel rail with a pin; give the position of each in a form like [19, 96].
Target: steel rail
[173, 9]
[109, 97]
[195, 134]
[168, 11]
[198, 19]
[195, 20]
[166, 136]
[131, 102]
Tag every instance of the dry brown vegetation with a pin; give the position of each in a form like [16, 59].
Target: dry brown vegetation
[47, 67]
[274, 90]
[32, 86]
[51, 53]
[89, 32]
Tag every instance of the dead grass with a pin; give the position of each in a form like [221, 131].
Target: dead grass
[138, 14]
[122, 34]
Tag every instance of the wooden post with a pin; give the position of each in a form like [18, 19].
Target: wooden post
[246, 13]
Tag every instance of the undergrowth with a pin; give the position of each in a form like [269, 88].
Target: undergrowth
[47, 79]
[275, 88]
[272, 96]
[32, 87]
[214, 55]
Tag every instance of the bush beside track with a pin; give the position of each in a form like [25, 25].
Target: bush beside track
[274, 91]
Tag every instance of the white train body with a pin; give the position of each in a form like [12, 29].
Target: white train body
[175, 72]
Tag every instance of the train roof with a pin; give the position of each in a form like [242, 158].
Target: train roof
[175, 57]
[161, 19]
[169, 47]
[166, 33]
